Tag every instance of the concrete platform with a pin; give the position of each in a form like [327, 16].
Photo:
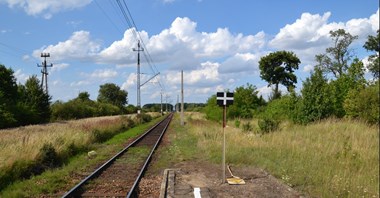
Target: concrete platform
[176, 188]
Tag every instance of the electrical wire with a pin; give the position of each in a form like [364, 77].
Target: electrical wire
[109, 19]
[132, 25]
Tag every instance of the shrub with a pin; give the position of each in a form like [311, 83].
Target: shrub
[364, 104]
[247, 127]
[267, 125]
[127, 123]
[143, 118]
[237, 123]
[98, 136]
[212, 110]
[316, 103]
[48, 157]
[282, 108]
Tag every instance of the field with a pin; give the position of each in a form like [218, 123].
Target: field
[29, 151]
[332, 158]
[24, 143]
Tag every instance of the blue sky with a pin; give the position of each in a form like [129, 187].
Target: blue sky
[217, 43]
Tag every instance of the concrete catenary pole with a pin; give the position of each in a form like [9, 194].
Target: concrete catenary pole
[182, 106]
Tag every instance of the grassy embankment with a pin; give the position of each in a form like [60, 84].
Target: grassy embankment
[332, 158]
[21, 147]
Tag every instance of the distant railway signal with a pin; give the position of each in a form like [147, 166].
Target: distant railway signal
[224, 99]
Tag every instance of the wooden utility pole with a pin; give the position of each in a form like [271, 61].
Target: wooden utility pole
[44, 71]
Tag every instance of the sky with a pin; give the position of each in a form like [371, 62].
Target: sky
[217, 43]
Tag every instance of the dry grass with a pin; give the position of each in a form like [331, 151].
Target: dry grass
[326, 159]
[24, 143]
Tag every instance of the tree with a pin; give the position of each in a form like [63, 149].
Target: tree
[352, 79]
[277, 68]
[212, 110]
[84, 96]
[363, 103]
[316, 98]
[245, 101]
[35, 102]
[112, 94]
[372, 44]
[8, 97]
[336, 59]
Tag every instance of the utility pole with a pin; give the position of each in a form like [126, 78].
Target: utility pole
[177, 104]
[44, 71]
[182, 109]
[166, 99]
[162, 113]
[139, 49]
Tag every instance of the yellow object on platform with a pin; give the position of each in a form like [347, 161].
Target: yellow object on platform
[235, 181]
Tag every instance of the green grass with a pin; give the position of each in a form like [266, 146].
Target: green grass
[332, 158]
[181, 147]
[56, 182]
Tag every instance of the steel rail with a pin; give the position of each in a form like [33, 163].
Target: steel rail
[137, 181]
[99, 170]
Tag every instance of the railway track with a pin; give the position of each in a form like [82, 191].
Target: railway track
[120, 175]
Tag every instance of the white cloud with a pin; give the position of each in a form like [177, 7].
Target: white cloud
[264, 91]
[120, 52]
[21, 76]
[205, 75]
[5, 31]
[182, 46]
[246, 62]
[79, 46]
[310, 34]
[212, 61]
[80, 83]
[59, 66]
[306, 32]
[44, 7]
[308, 68]
[168, 1]
[131, 81]
[104, 73]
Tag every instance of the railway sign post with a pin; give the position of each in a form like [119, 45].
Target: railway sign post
[224, 99]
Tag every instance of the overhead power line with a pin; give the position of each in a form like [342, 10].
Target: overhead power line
[138, 38]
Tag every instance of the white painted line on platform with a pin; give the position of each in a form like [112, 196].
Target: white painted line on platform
[197, 192]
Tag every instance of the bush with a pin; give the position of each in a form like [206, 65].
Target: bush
[23, 169]
[282, 108]
[48, 157]
[364, 104]
[18, 170]
[98, 136]
[212, 110]
[237, 123]
[143, 118]
[267, 125]
[316, 103]
[247, 127]
[127, 123]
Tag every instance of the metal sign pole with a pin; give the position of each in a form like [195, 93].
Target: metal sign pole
[224, 99]
[224, 144]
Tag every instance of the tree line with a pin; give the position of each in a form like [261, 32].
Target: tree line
[336, 88]
[24, 104]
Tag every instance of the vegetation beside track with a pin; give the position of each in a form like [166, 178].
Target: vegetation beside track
[330, 158]
[60, 179]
